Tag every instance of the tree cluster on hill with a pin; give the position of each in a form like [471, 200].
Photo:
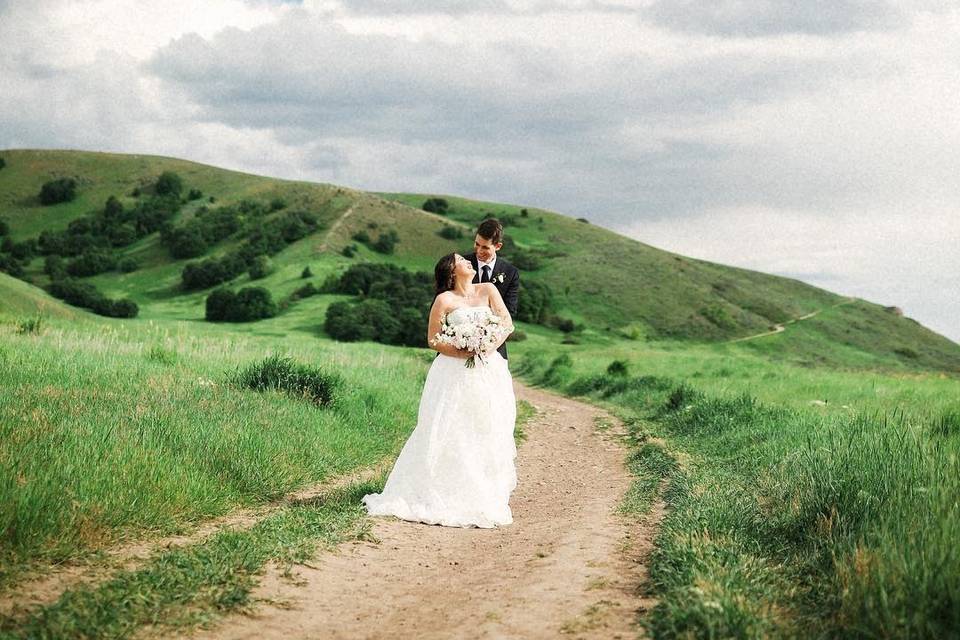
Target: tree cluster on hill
[195, 237]
[263, 238]
[90, 240]
[249, 303]
[392, 306]
[84, 294]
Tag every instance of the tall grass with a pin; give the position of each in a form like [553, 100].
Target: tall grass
[792, 521]
[137, 431]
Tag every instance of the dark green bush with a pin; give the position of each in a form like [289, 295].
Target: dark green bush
[386, 243]
[260, 267]
[306, 273]
[245, 305]
[4, 227]
[84, 294]
[525, 259]
[617, 368]
[436, 205]
[91, 263]
[11, 265]
[450, 232]
[128, 265]
[59, 190]
[280, 373]
[169, 183]
[195, 194]
[535, 302]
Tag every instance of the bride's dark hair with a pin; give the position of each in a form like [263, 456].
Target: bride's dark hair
[443, 276]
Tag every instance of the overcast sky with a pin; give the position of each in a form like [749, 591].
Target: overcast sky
[818, 139]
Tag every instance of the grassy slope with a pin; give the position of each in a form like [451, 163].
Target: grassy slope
[20, 299]
[589, 268]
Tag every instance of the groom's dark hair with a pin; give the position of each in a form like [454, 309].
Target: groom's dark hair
[491, 229]
[443, 278]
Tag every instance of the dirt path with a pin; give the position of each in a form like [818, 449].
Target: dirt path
[320, 248]
[43, 587]
[568, 564]
[779, 328]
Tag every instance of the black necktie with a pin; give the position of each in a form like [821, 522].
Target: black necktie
[486, 274]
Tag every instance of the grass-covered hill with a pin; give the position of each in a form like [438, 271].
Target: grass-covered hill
[615, 288]
[19, 299]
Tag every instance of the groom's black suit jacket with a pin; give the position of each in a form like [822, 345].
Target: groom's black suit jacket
[509, 289]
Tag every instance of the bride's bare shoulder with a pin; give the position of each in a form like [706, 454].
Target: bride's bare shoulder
[444, 301]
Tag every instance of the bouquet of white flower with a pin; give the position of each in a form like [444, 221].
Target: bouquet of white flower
[480, 337]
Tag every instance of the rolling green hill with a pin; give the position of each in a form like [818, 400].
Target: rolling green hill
[19, 299]
[619, 289]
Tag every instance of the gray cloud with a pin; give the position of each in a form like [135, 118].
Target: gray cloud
[506, 104]
[772, 17]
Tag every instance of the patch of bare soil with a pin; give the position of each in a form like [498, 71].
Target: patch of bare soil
[568, 564]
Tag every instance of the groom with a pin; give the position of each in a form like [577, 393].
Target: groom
[504, 276]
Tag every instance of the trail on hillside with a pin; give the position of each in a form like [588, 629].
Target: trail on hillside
[568, 564]
[781, 327]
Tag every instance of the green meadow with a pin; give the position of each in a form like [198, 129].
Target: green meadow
[810, 476]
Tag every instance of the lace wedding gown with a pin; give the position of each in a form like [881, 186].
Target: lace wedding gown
[457, 467]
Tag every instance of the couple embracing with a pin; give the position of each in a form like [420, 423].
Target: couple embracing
[457, 467]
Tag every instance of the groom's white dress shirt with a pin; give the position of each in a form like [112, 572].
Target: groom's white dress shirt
[490, 264]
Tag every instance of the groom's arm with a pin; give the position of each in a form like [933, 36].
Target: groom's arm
[511, 292]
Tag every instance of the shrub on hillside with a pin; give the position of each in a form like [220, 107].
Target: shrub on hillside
[386, 243]
[3, 163]
[128, 265]
[369, 319]
[436, 205]
[84, 294]
[525, 259]
[535, 302]
[617, 368]
[55, 266]
[349, 251]
[4, 227]
[195, 194]
[306, 273]
[280, 373]
[122, 235]
[169, 183]
[10, 265]
[260, 267]
[59, 190]
[249, 303]
[91, 263]
[450, 232]
[24, 250]
[361, 236]
[185, 243]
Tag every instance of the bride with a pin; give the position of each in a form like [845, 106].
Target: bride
[457, 467]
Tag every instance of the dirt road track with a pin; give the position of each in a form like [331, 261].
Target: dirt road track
[568, 565]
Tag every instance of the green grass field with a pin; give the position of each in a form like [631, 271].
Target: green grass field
[811, 475]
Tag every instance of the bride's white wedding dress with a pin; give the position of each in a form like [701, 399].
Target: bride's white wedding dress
[457, 467]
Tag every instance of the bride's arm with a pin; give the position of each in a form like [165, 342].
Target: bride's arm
[433, 328]
[499, 308]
